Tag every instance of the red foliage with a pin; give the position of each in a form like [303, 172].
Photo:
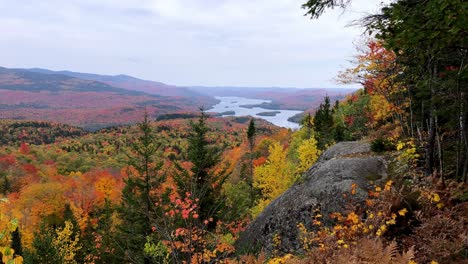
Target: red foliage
[24, 149]
[259, 162]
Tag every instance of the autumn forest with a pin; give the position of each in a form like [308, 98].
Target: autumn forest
[102, 174]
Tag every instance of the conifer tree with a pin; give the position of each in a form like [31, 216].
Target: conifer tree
[251, 131]
[202, 181]
[16, 242]
[138, 206]
[43, 248]
[323, 122]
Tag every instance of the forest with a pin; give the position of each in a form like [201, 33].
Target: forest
[182, 189]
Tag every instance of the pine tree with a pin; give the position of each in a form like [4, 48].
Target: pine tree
[44, 250]
[323, 122]
[202, 182]
[16, 242]
[251, 131]
[138, 207]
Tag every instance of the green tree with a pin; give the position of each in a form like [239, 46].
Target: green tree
[251, 132]
[138, 209]
[16, 242]
[307, 122]
[323, 123]
[202, 181]
[315, 8]
[43, 248]
[429, 39]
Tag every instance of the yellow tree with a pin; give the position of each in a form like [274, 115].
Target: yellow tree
[66, 244]
[274, 177]
[376, 69]
[308, 154]
[7, 227]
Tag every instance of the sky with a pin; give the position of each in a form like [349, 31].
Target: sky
[252, 43]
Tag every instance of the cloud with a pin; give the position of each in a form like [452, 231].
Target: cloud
[182, 42]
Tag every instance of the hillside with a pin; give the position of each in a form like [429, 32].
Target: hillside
[127, 82]
[91, 104]
[24, 80]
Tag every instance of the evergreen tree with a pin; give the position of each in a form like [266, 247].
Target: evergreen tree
[43, 248]
[138, 209]
[323, 122]
[16, 242]
[251, 131]
[202, 182]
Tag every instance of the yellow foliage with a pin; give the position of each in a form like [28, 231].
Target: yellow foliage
[403, 212]
[7, 226]
[66, 244]
[308, 154]
[274, 177]
[380, 108]
[280, 260]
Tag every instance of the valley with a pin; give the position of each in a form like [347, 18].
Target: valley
[94, 101]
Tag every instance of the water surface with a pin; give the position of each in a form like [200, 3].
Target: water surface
[235, 104]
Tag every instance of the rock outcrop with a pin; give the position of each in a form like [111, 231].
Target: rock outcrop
[322, 186]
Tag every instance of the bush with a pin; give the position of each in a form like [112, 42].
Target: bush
[381, 145]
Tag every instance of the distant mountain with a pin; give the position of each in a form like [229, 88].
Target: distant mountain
[127, 82]
[87, 100]
[24, 80]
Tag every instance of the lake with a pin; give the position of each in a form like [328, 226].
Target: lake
[235, 104]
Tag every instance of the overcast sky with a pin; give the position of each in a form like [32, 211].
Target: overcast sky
[182, 42]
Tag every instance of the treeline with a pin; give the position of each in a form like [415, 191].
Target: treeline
[414, 73]
[35, 132]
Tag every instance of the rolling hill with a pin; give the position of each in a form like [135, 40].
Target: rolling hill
[127, 82]
[92, 104]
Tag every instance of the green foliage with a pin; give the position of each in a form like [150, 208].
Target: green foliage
[238, 200]
[202, 181]
[315, 8]
[43, 248]
[157, 251]
[138, 210]
[16, 242]
[251, 133]
[381, 145]
[323, 124]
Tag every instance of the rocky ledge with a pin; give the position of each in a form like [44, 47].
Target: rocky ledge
[324, 186]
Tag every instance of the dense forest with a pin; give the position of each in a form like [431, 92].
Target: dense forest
[182, 189]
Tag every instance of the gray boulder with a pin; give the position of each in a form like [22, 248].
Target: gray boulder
[322, 187]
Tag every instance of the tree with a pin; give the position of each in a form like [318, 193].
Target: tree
[16, 242]
[274, 177]
[67, 243]
[307, 122]
[251, 139]
[138, 206]
[202, 181]
[323, 123]
[430, 40]
[43, 248]
[308, 154]
[315, 8]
